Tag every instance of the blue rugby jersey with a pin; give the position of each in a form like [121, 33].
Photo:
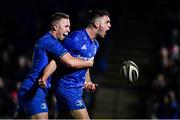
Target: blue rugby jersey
[79, 45]
[47, 46]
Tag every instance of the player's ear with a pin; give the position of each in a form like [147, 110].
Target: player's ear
[55, 27]
[96, 24]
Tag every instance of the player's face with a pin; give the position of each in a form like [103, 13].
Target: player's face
[63, 28]
[104, 26]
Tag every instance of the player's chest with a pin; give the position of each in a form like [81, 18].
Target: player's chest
[88, 49]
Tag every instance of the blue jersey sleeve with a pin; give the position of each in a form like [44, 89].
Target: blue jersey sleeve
[56, 48]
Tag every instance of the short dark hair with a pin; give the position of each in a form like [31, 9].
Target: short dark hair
[58, 16]
[96, 13]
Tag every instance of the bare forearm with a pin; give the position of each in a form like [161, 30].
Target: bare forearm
[89, 86]
[88, 78]
[77, 63]
[50, 68]
[72, 62]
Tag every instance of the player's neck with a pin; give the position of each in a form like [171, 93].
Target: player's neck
[91, 32]
[53, 33]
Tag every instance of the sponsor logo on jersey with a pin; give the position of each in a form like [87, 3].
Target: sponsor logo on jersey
[84, 58]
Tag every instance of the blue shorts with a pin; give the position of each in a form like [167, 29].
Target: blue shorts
[32, 104]
[69, 98]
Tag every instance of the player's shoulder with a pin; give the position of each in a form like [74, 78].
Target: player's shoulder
[77, 32]
[77, 35]
[47, 36]
[46, 39]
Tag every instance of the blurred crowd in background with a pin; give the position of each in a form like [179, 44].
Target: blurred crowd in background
[165, 91]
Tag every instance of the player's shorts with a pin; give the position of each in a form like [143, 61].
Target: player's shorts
[32, 104]
[69, 98]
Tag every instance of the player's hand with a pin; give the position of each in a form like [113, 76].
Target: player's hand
[90, 87]
[42, 83]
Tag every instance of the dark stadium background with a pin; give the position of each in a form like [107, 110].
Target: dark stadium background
[140, 29]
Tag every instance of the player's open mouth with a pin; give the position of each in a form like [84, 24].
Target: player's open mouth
[65, 34]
